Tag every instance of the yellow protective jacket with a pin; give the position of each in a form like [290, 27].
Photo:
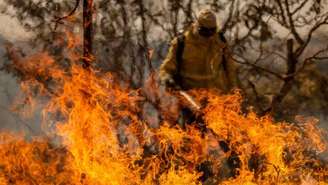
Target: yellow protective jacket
[201, 65]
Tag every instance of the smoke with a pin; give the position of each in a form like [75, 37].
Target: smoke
[10, 120]
[10, 91]
[8, 88]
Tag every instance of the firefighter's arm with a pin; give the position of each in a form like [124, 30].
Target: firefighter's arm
[232, 69]
[169, 66]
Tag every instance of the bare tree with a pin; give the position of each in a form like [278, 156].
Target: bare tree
[124, 31]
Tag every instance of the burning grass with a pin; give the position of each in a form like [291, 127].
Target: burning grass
[105, 140]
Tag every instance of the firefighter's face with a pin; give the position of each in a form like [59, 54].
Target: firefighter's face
[206, 32]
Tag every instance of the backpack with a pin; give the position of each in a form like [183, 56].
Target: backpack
[179, 54]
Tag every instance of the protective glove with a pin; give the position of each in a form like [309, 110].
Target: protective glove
[169, 82]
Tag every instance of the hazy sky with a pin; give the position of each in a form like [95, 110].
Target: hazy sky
[10, 27]
[12, 31]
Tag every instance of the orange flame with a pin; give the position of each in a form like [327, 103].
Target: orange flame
[104, 140]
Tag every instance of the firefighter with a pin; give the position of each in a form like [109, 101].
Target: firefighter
[199, 58]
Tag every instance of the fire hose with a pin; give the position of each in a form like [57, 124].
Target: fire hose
[196, 106]
[190, 100]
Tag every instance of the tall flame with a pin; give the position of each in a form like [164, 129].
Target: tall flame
[105, 140]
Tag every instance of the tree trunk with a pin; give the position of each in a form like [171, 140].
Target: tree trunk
[87, 32]
[289, 79]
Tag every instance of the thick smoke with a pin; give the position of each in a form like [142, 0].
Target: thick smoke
[10, 92]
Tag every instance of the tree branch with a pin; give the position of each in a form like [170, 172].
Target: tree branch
[230, 16]
[292, 26]
[300, 7]
[277, 75]
[58, 20]
[288, 81]
[300, 50]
